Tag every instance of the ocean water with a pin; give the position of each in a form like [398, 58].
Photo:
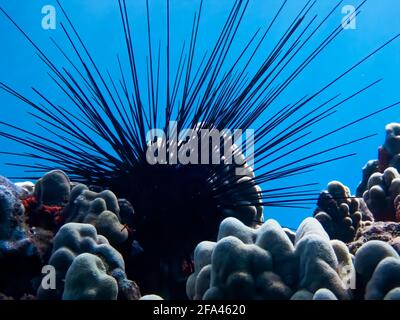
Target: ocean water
[99, 24]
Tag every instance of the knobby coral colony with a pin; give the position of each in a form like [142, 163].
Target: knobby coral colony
[99, 137]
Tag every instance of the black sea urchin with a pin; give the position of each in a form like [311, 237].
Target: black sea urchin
[100, 138]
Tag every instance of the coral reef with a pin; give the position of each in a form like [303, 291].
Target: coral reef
[46, 200]
[87, 279]
[53, 189]
[341, 214]
[30, 214]
[381, 195]
[99, 209]
[368, 170]
[17, 244]
[388, 156]
[349, 249]
[247, 197]
[11, 215]
[20, 259]
[378, 267]
[263, 263]
[70, 242]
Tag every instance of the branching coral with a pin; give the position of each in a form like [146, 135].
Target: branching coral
[381, 195]
[388, 156]
[341, 214]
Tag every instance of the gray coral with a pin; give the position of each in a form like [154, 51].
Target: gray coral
[378, 266]
[340, 213]
[388, 156]
[99, 209]
[381, 194]
[263, 263]
[72, 240]
[17, 243]
[87, 279]
[53, 189]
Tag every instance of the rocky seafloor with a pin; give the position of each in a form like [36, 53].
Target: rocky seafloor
[348, 249]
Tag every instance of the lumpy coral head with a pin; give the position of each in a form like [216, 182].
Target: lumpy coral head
[53, 189]
[101, 209]
[71, 241]
[87, 279]
[340, 213]
[381, 193]
[264, 263]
